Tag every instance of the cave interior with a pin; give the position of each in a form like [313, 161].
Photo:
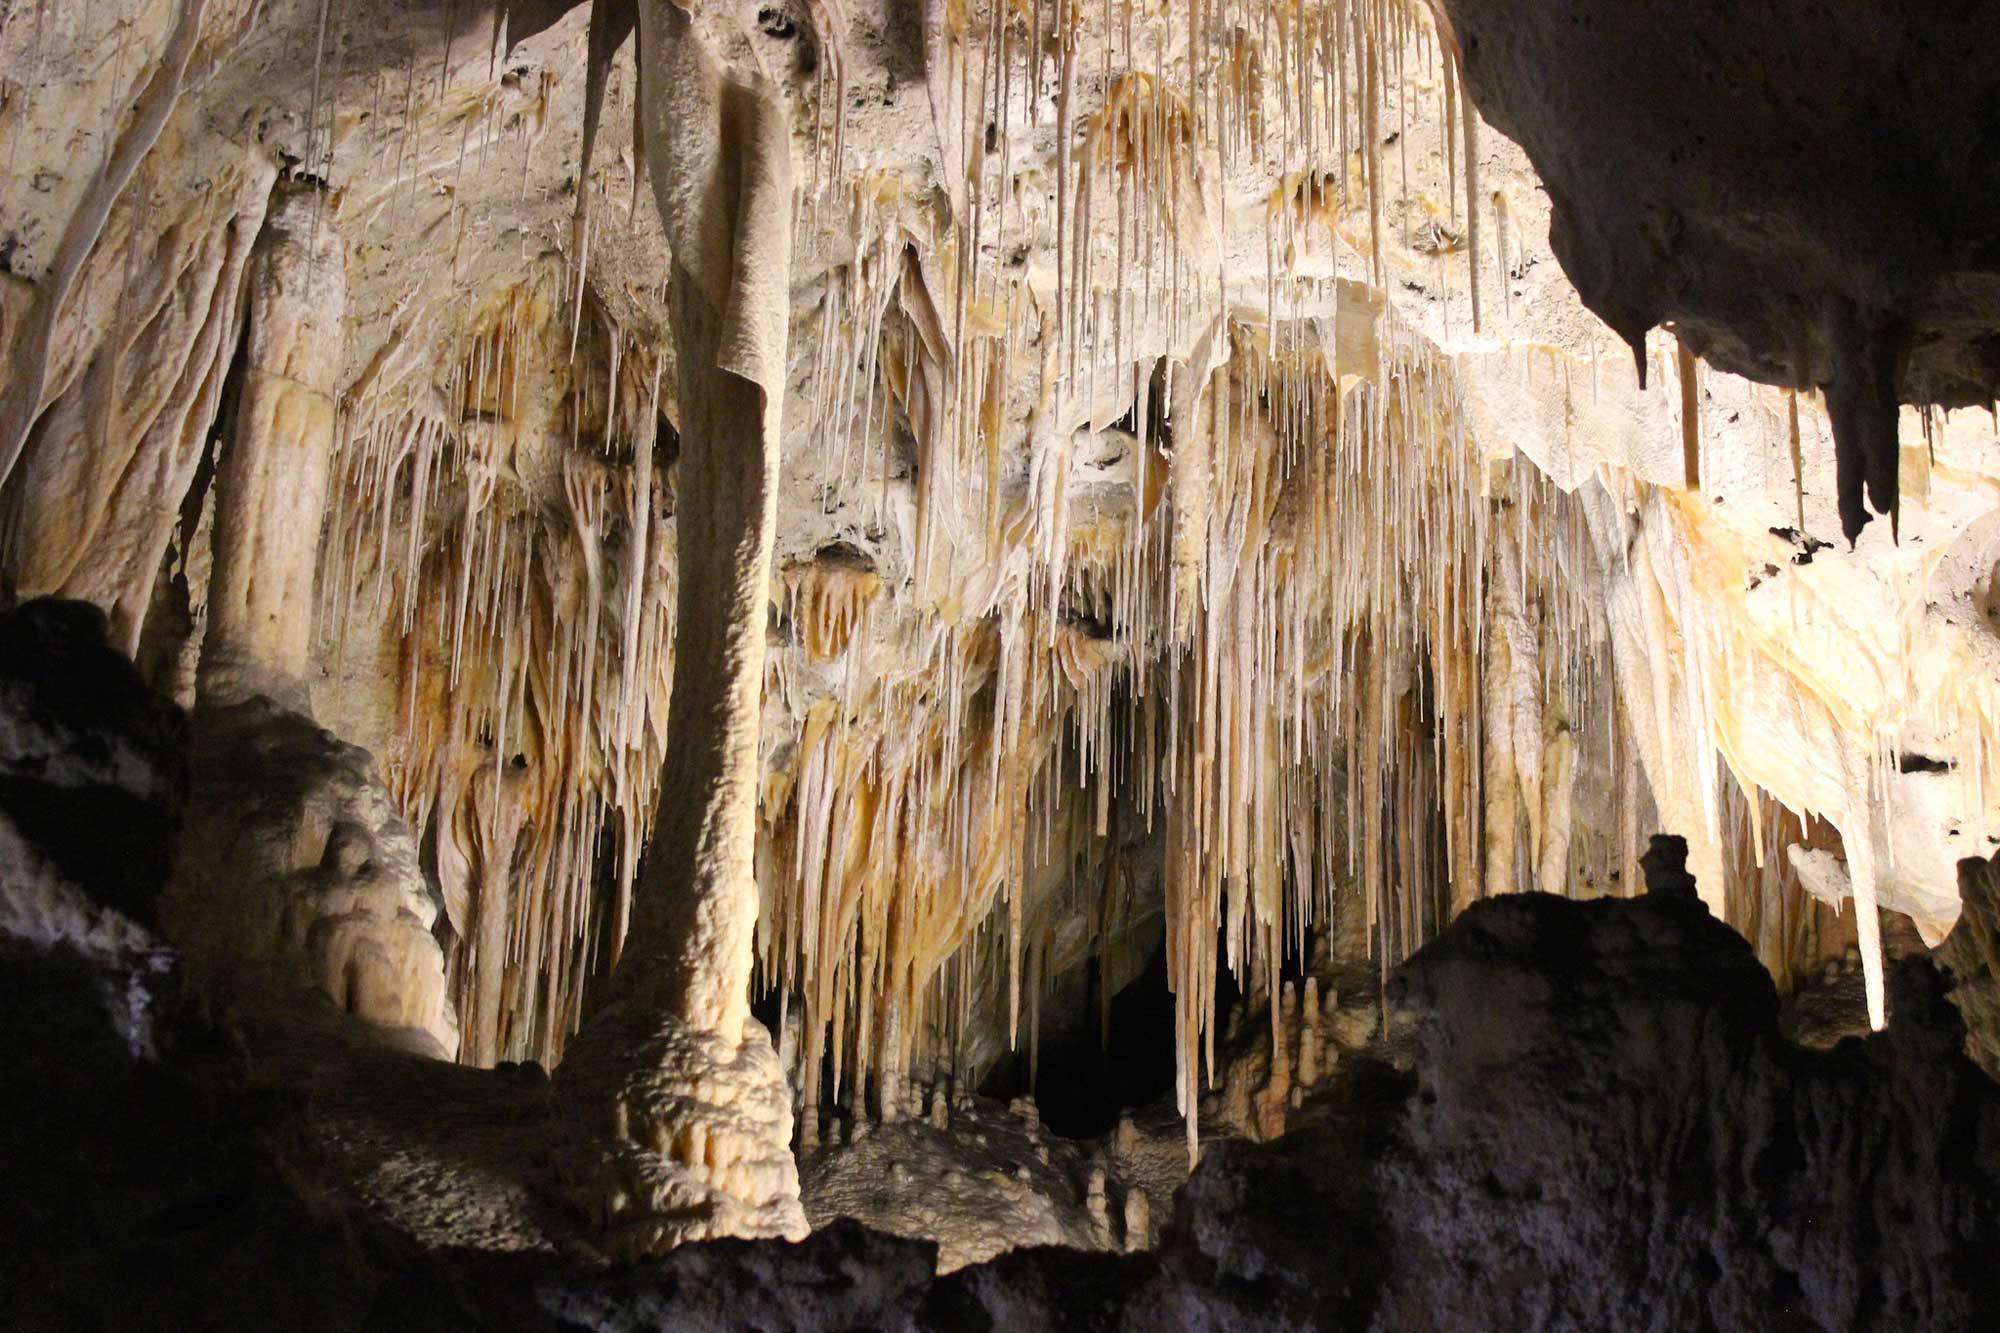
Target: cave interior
[974, 664]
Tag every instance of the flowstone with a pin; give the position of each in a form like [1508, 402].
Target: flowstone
[676, 1134]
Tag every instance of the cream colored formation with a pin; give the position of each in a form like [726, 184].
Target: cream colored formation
[294, 865]
[1164, 429]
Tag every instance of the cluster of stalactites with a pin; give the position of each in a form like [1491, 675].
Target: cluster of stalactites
[507, 530]
[1273, 644]
[899, 825]
[932, 339]
[1336, 567]
[1275, 634]
[1189, 99]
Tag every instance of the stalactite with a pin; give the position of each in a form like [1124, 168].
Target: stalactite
[1690, 417]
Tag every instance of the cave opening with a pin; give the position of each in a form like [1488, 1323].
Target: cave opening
[1083, 1084]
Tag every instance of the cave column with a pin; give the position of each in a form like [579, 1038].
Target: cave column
[720, 153]
[681, 1088]
[297, 885]
[271, 480]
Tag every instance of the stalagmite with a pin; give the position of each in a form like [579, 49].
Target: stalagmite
[297, 887]
[1558, 780]
[682, 1084]
[1503, 685]
[1309, 1038]
[1138, 1221]
[1099, 1209]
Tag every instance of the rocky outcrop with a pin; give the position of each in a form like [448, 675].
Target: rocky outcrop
[1608, 1131]
[93, 767]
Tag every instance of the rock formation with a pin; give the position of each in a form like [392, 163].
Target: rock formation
[1696, 179]
[295, 873]
[688, 620]
[673, 1068]
[271, 479]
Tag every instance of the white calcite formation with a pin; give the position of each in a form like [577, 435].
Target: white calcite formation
[684, 1085]
[935, 498]
[296, 871]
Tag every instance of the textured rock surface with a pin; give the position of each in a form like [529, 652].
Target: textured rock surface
[1607, 1130]
[1972, 955]
[675, 1133]
[93, 764]
[296, 874]
[842, 1276]
[986, 1181]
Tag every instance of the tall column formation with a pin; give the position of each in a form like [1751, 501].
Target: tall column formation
[673, 1073]
[297, 880]
[271, 481]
